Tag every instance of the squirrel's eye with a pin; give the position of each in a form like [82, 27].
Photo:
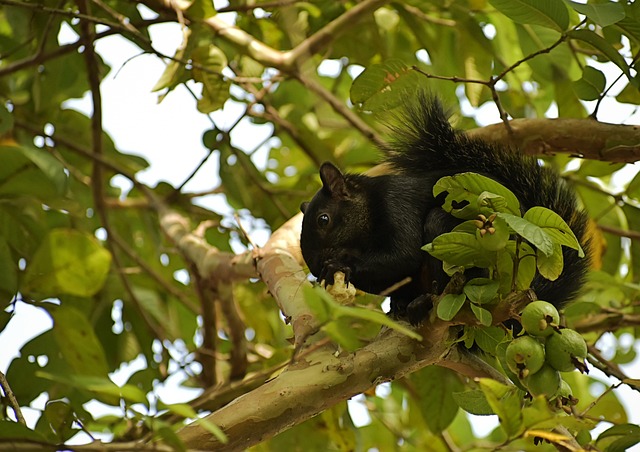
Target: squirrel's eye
[323, 219]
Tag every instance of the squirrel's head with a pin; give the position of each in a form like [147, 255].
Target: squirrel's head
[332, 219]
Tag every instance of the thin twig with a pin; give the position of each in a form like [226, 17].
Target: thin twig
[633, 235]
[37, 59]
[162, 282]
[97, 182]
[609, 368]
[81, 14]
[4, 384]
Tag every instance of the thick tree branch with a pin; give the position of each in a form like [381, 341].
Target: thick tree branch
[313, 384]
[209, 261]
[321, 39]
[585, 138]
[279, 267]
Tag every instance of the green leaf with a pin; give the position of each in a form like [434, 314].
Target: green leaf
[473, 402]
[67, 262]
[620, 430]
[101, 386]
[461, 249]
[77, 341]
[10, 430]
[172, 75]
[626, 435]
[30, 171]
[60, 417]
[481, 290]
[506, 402]
[53, 170]
[449, 306]
[551, 266]
[526, 267]
[603, 46]
[213, 429]
[377, 317]
[529, 231]
[630, 93]
[595, 168]
[484, 316]
[319, 302]
[168, 435]
[6, 120]
[538, 414]
[633, 188]
[603, 14]
[201, 9]
[489, 337]
[473, 192]
[326, 309]
[435, 387]
[591, 85]
[186, 411]
[9, 273]
[382, 87]
[554, 226]
[209, 61]
[547, 13]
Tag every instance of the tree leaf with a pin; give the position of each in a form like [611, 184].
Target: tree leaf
[435, 386]
[30, 171]
[489, 337]
[61, 417]
[382, 87]
[473, 402]
[461, 249]
[67, 262]
[464, 191]
[10, 430]
[450, 305]
[529, 231]
[547, 13]
[591, 85]
[481, 290]
[550, 266]
[603, 46]
[484, 316]
[209, 61]
[77, 341]
[603, 14]
[6, 120]
[506, 403]
[554, 226]
[9, 273]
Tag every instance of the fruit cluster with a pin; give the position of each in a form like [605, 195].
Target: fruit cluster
[536, 358]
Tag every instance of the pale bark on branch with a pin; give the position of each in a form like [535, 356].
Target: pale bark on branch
[210, 262]
[586, 138]
[312, 384]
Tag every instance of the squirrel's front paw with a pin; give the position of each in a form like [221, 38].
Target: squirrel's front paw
[329, 270]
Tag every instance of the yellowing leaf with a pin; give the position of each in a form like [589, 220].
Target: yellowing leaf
[68, 262]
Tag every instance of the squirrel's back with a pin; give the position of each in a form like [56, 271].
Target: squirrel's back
[424, 142]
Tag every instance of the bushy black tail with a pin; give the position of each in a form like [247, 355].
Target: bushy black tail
[425, 143]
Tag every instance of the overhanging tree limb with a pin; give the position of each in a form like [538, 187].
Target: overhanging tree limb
[585, 138]
[313, 384]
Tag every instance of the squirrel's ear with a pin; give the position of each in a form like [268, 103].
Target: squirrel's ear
[333, 180]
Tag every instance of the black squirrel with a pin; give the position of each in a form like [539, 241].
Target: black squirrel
[372, 228]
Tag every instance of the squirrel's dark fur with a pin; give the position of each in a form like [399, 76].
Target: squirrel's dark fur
[373, 228]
